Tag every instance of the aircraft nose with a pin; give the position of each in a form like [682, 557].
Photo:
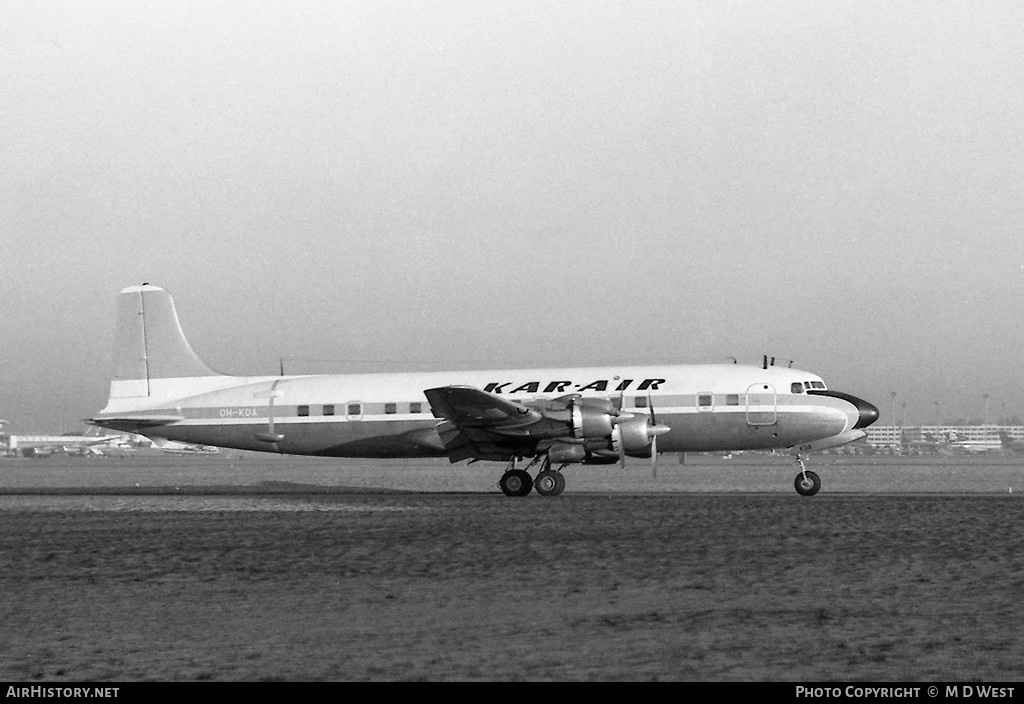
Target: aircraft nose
[867, 413]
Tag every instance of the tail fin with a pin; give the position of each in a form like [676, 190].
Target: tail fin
[150, 345]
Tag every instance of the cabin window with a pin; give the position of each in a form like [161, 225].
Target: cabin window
[416, 407]
[355, 409]
[303, 410]
[391, 408]
[732, 399]
[704, 400]
[796, 387]
[640, 402]
[329, 409]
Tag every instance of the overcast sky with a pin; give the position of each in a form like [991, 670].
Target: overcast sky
[441, 184]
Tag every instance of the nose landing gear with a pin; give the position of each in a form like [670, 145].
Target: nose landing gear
[807, 483]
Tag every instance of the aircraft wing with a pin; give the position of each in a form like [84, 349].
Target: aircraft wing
[470, 407]
[480, 425]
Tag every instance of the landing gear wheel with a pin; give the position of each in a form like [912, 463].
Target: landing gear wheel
[516, 482]
[807, 483]
[549, 483]
[560, 478]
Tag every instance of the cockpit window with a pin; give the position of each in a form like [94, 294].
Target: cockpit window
[814, 384]
[796, 387]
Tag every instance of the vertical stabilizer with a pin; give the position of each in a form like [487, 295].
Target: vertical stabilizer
[149, 344]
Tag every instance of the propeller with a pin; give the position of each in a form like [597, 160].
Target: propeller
[654, 437]
[653, 431]
[617, 430]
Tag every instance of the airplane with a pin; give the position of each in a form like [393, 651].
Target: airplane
[182, 448]
[43, 445]
[1011, 444]
[972, 445]
[160, 388]
[928, 444]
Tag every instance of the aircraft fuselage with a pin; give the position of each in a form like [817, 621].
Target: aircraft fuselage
[706, 407]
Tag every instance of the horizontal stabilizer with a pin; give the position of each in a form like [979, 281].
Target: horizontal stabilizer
[135, 422]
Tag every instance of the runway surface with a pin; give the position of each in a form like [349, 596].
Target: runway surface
[269, 568]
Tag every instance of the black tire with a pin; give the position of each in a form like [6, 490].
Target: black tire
[807, 483]
[549, 483]
[516, 482]
[560, 478]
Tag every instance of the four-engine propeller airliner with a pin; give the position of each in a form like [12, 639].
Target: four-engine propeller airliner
[551, 417]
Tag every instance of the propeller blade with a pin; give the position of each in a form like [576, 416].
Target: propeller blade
[653, 431]
[654, 456]
[618, 446]
[617, 431]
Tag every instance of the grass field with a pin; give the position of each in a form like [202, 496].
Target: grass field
[270, 568]
[745, 473]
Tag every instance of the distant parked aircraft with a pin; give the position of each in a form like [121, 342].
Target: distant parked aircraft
[972, 445]
[184, 448]
[43, 445]
[928, 444]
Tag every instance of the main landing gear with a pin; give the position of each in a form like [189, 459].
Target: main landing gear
[518, 482]
[807, 482]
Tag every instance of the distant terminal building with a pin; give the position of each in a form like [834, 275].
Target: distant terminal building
[919, 438]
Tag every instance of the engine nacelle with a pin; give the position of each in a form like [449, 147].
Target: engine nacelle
[634, 437]
[593, 418]
[564, 453]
